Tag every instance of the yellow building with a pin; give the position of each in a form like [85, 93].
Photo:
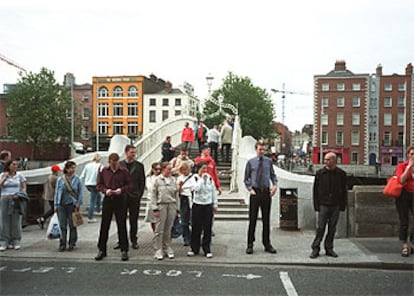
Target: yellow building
[117, 107]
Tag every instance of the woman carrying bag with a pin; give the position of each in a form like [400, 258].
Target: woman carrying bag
[405, 203]
[68, 198]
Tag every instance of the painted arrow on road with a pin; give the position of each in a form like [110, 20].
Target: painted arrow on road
[249, 276]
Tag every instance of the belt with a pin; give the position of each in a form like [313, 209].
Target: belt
[15, 196]
[260, 189]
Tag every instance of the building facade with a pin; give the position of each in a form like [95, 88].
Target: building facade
[361, 117]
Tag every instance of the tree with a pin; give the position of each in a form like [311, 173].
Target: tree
[253, 103]
[39, 110]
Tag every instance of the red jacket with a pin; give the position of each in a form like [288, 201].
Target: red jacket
[409, 185]
[187, 135]
[211, 169]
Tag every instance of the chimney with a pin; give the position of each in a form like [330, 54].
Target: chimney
[409, 69]
[168, 87]
[340, 65]
[379, 70]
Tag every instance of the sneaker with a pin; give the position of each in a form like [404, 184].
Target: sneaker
[93, 220]
[17, 247]
[209, 255]
[3, 248]
[171, 255]
[158, 255]
[190, 254]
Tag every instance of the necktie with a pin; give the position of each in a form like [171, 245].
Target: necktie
[259, 175]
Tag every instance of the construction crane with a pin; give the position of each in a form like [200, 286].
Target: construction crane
[283, 91]
[12, 63]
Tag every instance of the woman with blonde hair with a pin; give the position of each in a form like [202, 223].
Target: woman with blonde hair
[149, 183]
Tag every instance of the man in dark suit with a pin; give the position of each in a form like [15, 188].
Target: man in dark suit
[137, 172]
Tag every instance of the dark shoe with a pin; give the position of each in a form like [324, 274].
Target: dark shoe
[62, 248]
[124, 255]
[405, 252]
[331, 253]
[70, 249]
[100, 255]
[41, 222]
[249, 250]
[135, 245]
[270, 249]
[117, 246]
[314, 254]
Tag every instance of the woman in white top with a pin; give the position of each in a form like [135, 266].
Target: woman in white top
[155, 171]
[11, 205]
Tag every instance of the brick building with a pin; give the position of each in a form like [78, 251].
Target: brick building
[361, 117]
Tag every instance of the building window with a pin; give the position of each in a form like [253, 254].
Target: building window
[355, 119]
[324, 119]
[400, 139]
[103, 128]
[84, 133]
[373, 86]
[356, 102]
[85, 98]
[340, 102]
[340, 119]
[164, 115]
[325, 102]
[354, 158]
[387, 139]
[152, 117]
[401, 102]
[165, 102]
[177, 102]
[400, 120]
[133, 128]
[117, 128]
[86, 113]
[133, 109]
[153, 102]
[355, 138]
[103, 110]
[118, 91]
[324, 138]
[325, 86]
[387, 102]
[373, 102]
[339, 138]
[388, 87]
[132, 92]
[117, 109]
[340, 86]
[177, 112]
[372, 137]
[401, 86]
[356, 86]
[103, 92]
[373, 119]
[387, 119]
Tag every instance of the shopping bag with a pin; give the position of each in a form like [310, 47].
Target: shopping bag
[53, 230]
[177, 229]
[77, 218]
[393, 187]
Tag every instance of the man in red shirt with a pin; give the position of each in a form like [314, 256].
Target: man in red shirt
[211, 165]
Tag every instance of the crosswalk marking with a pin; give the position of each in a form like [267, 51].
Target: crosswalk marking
[287, 283]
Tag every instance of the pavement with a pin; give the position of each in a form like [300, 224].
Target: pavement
[228, 247]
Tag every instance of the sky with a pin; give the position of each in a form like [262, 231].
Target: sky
[270, 41]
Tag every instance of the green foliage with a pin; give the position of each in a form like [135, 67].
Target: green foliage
[253, 103]
[39, 108]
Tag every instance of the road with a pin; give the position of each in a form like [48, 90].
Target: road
[170, 277]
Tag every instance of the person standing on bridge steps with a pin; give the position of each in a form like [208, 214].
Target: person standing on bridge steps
[259, 171]
[330, 196]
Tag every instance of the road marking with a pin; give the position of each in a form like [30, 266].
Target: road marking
[287, 283]
[249, 276]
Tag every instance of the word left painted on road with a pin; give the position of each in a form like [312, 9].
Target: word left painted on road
[43, 269]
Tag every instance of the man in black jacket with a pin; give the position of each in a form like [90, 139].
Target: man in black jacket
[137, 172]
[329, 198]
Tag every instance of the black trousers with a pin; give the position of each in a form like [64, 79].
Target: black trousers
[201, 222]
[263, 201]
[405, 205]
[327, 215]
[226, 147]
[214, 150]
[133, 204]
[113, 205]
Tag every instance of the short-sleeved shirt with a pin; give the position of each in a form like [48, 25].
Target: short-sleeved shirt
[12, 184]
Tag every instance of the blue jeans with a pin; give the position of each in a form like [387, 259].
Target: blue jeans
[64, 213]
[95, 200]
[185, 213]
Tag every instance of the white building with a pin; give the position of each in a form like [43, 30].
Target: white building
[168, 103]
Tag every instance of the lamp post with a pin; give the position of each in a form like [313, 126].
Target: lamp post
[72, 121]
[97, 116]
[405, 119]
[209, 79]
[321, 134]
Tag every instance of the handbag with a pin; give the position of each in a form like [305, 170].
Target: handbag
[393, 188]
[77, 219]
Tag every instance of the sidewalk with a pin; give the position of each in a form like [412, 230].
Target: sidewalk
[228, 247]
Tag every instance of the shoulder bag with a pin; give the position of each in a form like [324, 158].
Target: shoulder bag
[76, 215]
[393, 188]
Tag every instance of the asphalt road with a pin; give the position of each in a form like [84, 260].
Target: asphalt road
[170, 277]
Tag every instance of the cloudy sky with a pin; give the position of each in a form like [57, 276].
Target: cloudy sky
[270, 41]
